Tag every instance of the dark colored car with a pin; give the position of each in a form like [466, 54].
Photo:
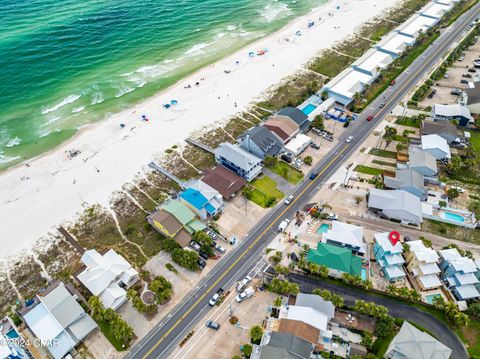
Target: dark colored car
[313, 175]
[464, 81]
[472, 70]
[382, 105]
[393, 82]
[369, 118]
[316, 146]
[201, 263]
[203, 255]
[293, 257]
[286, 158]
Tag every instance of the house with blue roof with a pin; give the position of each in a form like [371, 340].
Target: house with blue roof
[203, 200]
[388, 254]
[459, 274]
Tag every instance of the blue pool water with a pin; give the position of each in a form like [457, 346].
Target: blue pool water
[364, 273]
[307, 110]
[12, 334]
[453, 217]
[430, 298]
[323, 228]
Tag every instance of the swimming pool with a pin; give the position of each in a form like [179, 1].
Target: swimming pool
[323, 228]
[364, 273]
[430, 298]
[452, 216]
[307, 110]
[12, 334]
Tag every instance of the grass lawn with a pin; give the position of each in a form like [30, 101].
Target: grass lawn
[381, 345]
[265, 192]
[330, 63]
[384, 163]
[475, 141]
[383, 153]
[117, 344]
[286, 171]
[451, 231]
[368, 170]
[471, 334]
[409, 121]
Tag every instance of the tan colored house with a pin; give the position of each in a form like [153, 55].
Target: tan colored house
[283, 126]
[421, 263]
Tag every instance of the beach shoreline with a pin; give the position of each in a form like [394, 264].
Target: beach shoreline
[50, 189]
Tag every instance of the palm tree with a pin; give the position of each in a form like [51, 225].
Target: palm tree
[451, 309]
[438, 302]
[461, 319]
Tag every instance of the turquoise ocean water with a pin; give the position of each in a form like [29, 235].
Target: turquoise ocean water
[67, 63]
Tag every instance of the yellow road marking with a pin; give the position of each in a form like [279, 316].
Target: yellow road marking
[243, 254]
[265, 231]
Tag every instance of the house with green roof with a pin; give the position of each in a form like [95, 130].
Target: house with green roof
[338, 260]
[175, 220]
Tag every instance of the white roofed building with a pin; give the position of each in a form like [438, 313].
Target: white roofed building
[456, 112]
[417, 24]
[437, 146]
[388, 253]
[395, 44]
[107, 276]
[435, 10]
[298, 144]
[347, 236]
[459, 274]
[373, 62]
[58, 320]
[344, 86]
[396, 204]
[238, 160]
[422, 264]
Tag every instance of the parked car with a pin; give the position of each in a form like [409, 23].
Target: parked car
[294, 257]
[332, 216]
[289, 200]
[203, 255]
[431, 94]
[201, 263]
[220, 249]
[369, 118]
[459, 189]
[286, 158]
[456, 91]
[468, 76]
[195, 245]
[472, 70]
[247, 293]
[315, 146]
[211, 233]
[313, 175]
[215, 297]
[349, 139]
[243, 283]
[282, 226]
[212, 325]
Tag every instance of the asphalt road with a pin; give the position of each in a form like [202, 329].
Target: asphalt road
[396, 309]
[161, 340]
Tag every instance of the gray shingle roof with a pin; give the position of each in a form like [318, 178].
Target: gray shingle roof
[296, 115]
[316, 302]
[395, 200]
[439, 127]
[406, 177]
[269, 142]
[237, 155]
[418, 157]
[295, 346]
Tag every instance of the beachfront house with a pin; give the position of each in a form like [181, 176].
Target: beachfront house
[422, 265]
[175, 220]
[388, 253]
[397, 205]
[12, 342]
[346, 235]
[296, 115]
[411, 342]
[262, 141]
[283, 126]
[58, 320]
[224, 181]
[107, 276]
[337, 259]
[395, 44]
[456, 112]
[436, 146]
[422, 162]
[238, 160]
[409, 180]
[202, 199]
[346, 84]
[459, 274]
[444, 129]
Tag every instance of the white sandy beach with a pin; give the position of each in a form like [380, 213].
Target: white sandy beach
[57, 188]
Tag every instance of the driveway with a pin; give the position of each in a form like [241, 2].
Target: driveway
[396, 309]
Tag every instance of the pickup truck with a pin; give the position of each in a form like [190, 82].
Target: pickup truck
[282, 226]
[247, 293]
[216, 297]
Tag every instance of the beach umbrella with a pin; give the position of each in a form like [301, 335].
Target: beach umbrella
[174, 102]
[144, 117]
[311, 23]
[167, 105]
[251, 54]
[122, 125]
[298, 33]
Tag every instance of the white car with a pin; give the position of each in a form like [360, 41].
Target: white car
[243, 283]
[220, 249]
[283, 225]
[349, 139]
[214, 299]
[332, 216]
[289, 200]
